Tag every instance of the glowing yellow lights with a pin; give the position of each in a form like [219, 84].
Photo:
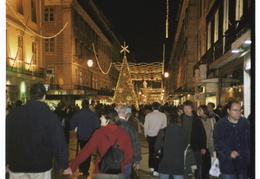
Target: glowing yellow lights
[23, 87]
[167, 20]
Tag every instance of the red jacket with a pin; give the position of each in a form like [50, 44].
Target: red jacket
[100, 142]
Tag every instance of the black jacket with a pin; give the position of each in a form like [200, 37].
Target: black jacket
[86, 122]
[33, 133]
[175, 143]
[198, 139]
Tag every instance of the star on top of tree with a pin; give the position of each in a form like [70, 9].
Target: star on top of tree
[124, 49]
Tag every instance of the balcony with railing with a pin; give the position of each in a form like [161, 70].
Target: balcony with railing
[224, 43]
[24, 68]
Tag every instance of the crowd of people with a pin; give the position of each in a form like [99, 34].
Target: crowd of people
[37, 138]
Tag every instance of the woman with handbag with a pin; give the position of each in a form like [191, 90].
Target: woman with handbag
[208, 123]
[174, 145]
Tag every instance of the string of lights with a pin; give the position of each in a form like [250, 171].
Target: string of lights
[95, 53]
[43, 37]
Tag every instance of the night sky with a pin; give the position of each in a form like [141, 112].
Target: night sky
[141, 23]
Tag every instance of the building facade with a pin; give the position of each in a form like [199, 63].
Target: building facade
[24, 63]
[183, 55]
[222, 44]
[87, 35]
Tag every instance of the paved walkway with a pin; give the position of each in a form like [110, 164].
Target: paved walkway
[144, 171]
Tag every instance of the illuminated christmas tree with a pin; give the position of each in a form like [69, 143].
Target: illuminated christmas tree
[124, 93]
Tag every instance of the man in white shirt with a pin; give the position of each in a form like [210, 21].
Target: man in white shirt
[154, 121]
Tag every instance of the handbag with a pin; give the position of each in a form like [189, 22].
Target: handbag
[135, 174]
[158, 154]
[214, 169]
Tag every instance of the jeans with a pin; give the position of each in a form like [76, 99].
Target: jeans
[128, 170]
[231, 176]
[167, 176]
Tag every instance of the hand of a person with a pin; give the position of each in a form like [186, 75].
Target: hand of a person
[7, 168]
[68, 171]
[234, 154]
[203, 151]
[136, 166]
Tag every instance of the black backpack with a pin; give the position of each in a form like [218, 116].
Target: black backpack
[111, 161]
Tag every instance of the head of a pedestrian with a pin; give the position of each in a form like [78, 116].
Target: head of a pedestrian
[174, 117]
[85, 103]
[180, 111]
[61, 106]
[109, 116]
[37, 92]
[203, 111]
[156, 106]
[211, 107]
[121, 110]
[234, 110]
[18, 103]
[188, 108]
[219, 107]
[128, 112]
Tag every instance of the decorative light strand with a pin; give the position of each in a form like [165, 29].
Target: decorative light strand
[167, 20]
[44, 37]
[93, 45]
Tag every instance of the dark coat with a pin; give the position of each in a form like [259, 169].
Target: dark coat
[65, 122]
[175, 143]
[86, 122]
[198, 139]
[230, 137]
[33, 132]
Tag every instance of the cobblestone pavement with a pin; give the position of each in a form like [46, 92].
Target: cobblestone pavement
[144, 171]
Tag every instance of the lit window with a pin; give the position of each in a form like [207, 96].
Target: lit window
[20, 48]
[33, 61]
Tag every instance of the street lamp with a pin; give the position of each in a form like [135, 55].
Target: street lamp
[166, 74]
[90, 62]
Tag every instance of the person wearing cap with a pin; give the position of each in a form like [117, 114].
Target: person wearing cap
[121, 110]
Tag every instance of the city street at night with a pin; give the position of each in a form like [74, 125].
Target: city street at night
[185, 65]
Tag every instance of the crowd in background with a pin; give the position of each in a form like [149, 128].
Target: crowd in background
[183, 128]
